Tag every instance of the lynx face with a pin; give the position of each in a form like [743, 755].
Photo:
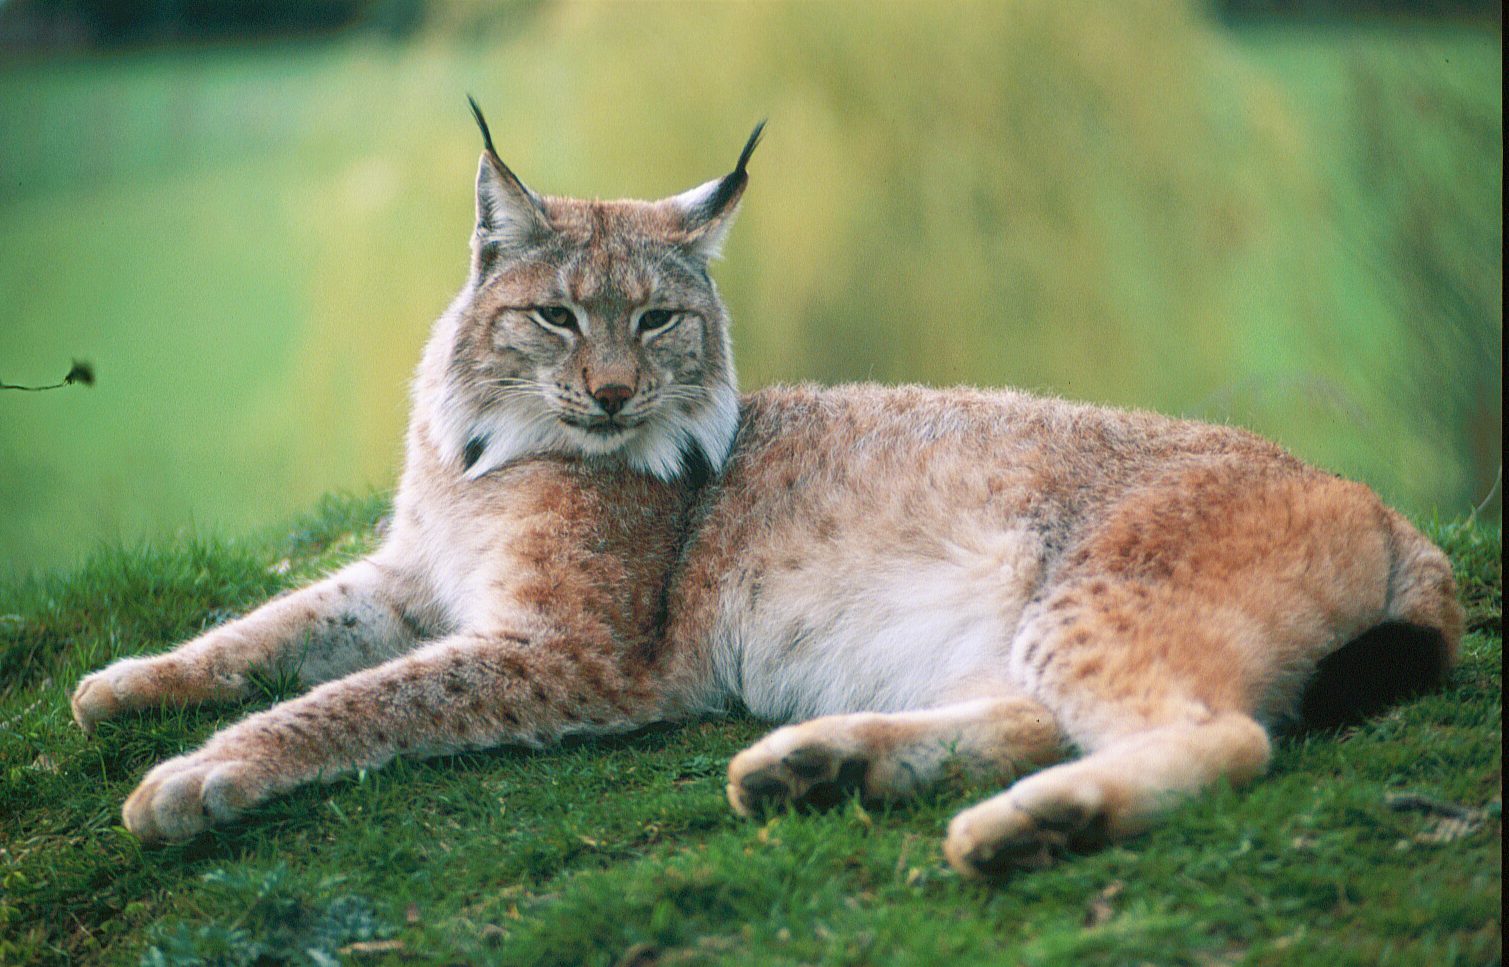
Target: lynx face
[593, 329]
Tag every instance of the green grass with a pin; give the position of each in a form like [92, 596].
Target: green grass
[610, 850]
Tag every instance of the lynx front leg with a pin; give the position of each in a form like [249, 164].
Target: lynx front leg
[354, 619]
[892, 756]
[460, 693]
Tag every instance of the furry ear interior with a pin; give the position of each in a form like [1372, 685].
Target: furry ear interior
[708, 210]
[509, 215]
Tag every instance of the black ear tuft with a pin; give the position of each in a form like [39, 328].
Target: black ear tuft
[730, 185]
[749, 146]
[487, 136]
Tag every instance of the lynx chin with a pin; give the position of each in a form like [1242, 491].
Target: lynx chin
[1101, 612]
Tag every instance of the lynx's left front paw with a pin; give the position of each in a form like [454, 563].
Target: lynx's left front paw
[185, 796]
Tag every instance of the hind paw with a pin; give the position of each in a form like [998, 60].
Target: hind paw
[1023, 830]
[782, 769]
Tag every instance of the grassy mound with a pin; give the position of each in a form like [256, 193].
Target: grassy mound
[1379, 844]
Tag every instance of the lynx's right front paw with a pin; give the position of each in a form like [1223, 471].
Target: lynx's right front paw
[107, 692]
[186, 795]
[134, 683]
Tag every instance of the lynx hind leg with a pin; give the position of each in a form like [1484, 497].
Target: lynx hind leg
[1115, 792]
[1156, 683]
[351, 620]
[891, 756]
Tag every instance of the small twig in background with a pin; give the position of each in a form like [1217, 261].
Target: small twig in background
[81, 372]
[1413, 802]
[1498, 481]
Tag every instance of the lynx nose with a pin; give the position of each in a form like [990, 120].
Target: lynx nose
[612, 397]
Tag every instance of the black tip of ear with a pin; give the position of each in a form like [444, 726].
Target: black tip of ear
[732, 183]
[749, 146]
[487, 136]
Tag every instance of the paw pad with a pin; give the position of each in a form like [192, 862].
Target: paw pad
[806, 777]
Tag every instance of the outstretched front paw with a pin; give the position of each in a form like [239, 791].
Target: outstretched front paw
[135, 683]
[108, 692]
[185, 796]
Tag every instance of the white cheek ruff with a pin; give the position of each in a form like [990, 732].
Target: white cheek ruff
[660, 448]
[508, 432]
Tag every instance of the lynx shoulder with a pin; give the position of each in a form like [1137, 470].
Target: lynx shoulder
[594, 531]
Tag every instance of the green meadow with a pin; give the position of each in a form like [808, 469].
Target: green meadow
[1377, 844]
[1293, 228]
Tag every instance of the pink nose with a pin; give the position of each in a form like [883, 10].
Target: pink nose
[612, 397]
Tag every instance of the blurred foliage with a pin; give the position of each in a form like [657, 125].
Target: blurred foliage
[1235, 10]
[53, 24]
[33, 24]
[1293, 228]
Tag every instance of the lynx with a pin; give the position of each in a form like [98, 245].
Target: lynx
[593, 532]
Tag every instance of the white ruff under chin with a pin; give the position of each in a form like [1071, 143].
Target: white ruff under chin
[659, 447]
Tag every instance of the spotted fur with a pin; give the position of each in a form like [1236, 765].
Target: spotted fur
[925, 581]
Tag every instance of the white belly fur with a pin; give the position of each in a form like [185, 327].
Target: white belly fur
[855, 629]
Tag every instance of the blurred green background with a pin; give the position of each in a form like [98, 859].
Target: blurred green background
[1283, 215]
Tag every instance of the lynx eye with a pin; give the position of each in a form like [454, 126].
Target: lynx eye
[558, 316]
[652, 319]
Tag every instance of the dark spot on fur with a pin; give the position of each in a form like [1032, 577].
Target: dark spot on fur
[473, 452]
[409, 622]
[1030, 648]
[696, 468]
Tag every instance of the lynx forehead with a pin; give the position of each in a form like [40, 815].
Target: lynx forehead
[594, 532]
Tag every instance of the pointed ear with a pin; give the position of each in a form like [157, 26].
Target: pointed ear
[509, 215]
[708, 210]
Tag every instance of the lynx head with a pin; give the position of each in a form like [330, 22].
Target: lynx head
[588, 328]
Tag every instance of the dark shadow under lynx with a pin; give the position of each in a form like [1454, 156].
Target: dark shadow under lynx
[594, 531]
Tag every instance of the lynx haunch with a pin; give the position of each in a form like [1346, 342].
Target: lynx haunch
[594, 532]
